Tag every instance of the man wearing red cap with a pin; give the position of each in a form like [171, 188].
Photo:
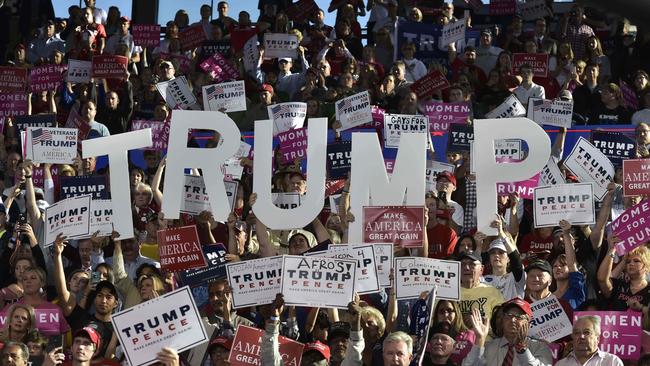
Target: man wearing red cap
[315, 354]
[514, 347]
[258, 111]
[219, 350]
[85, 343]
[446, 185]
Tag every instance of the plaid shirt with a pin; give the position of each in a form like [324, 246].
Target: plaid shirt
[577, 35]
[469, 222]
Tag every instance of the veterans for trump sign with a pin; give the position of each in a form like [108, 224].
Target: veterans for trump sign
[632, 227]
[551, 112]
[414, 275]
[620, 332]
[179, 249]
[171, 320]
[511, 107]
[395, 124]
[589, 164]
[255, 282]
[247, 346]
[52, 145]
[225, 97]
[550, 322]
[636, 177]
[571, 202]
[400, 225]
[70, 217]
[353, 110]
[287, 116]
[318, 281]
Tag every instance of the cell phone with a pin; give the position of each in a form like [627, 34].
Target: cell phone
[442, 196]
[54, 342]
[22, 219]
[95, 277]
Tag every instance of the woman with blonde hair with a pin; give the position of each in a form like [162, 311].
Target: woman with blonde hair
[20, 321]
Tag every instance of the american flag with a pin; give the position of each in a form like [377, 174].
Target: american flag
[542, 103]
[280, 109]
[213, 90]
[41, 135]
[345, 104]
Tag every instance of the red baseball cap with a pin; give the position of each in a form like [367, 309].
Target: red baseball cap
[521, 304]
[221, 341]
[90, 333]
[266, 87]
[449, 176]
[319, 347]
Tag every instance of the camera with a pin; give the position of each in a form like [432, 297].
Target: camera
[95, 277]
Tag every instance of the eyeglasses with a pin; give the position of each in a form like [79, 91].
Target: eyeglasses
[519, 317]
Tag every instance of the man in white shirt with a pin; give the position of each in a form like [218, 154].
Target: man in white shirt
[445, 186]
[528, 89]
[123, 36]
[415, 69]
[586, 336]
[487, 54]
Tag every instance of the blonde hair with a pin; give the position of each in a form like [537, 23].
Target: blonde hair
[643, 253]
[371, 312]
[158, 284]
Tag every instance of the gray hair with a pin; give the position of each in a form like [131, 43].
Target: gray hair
[400, 337]
[24, 350]
[593, 320]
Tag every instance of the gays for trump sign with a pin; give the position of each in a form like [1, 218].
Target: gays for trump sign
[636, 177]
[400, 225]
[255, 282]
[52, 145]
[226, 97]
[395, 124]
[318, 281]
[70, 217]
[414, 275]
[589, 164]
[571, 202]
[550, 322]
[620, 332]
[171, 320]
[247, 343]
[354, 110]
[179, 249]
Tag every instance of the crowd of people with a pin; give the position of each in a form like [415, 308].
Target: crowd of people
[592, 57]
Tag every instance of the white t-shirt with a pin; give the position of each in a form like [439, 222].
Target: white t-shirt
[535, 91]
[507, 285]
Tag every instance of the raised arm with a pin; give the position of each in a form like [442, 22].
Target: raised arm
[598, 233]
[605, 270]
[569, 250]
[30, 196]
[66, 301]
[263, 238]
[155, 184]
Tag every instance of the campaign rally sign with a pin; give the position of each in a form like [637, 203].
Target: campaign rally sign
[538, 62]
[400, 225]
[301, 10]
[101, 217]
[632, 227]
[176, 92]
[510, 150]
[423, 317]
[255, 282]
[629, 96]
[13, 79]
[395, 124]
[571, 202]
[339, 159]
[615, 145]
[318, 281]
[210, 47]
[453, 32]
[247, 344]
[47, 321]
[426, 38]
[52, 145]
[286, 200]
[433, 169]
[384, 259]
[170, 320]
[180, 249]
[70, 217]
[13, 105]
[215, 255]
[287, 116]
[354, 110]
[589, 164]
[377, 118]
[414, 275]
[460, 136]
[159, 132]
[502, 7]
[110, 67]
[94, 185]
[511, 107]
[524, 188]
[195, 198]
[79, 71]
[441, 114]
[219, 68]
[533, 9]
[550, 174]
[551, 112]
[231, 168]
[426, 85]
[76, 121]
[146, 35]
[636, 177]
[620, 332]
[46, 77]
[550, 322]
[280, 45]
[367, 281]
[37, 120]
[293, 145]
[192, 37]
[225, 97]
